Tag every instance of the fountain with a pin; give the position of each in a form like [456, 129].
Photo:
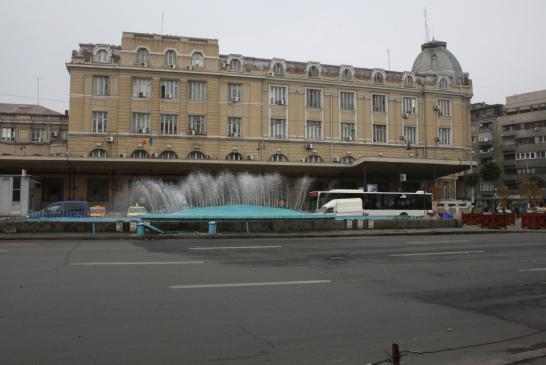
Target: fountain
[225, 195]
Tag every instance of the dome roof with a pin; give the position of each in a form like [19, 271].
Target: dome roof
[435, 59]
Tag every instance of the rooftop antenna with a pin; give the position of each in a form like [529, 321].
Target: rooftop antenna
[426, 26]
[162, 15]
[38, 88]
[389, 58]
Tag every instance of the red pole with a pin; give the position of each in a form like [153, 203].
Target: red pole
[395, 354]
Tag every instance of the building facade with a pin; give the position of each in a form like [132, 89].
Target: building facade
[521, 132]
[32, 130]
[486, 145]
[164, 106]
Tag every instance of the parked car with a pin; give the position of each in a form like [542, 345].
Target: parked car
[136, 210]
[65, 208]
[97, 211]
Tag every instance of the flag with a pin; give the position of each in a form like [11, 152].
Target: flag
[151, 141]
[144, 141]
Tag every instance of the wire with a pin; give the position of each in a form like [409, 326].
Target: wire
[408, 352]
[472, 345]
[30, 97]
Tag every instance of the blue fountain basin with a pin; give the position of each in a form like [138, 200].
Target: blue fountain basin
[236, 212]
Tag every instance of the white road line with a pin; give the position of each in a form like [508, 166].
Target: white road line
[234, 285]
[136, 263]
[232, 247]
[436, 253]
[536, 269]
[3, 250]
[454, 241]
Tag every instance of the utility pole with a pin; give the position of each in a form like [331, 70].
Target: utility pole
[38, 89]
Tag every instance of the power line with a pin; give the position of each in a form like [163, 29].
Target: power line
[30, 97]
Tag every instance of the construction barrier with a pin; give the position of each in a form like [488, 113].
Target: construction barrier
[494, 221]
[472, 218]
[533, 220]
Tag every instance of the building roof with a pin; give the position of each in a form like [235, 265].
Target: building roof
[26, 109]
[435, 59]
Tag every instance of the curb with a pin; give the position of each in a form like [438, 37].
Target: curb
[38, 237]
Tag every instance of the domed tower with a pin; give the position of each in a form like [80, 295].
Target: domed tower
[436, 60]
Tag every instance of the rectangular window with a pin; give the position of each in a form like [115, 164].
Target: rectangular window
[278, 128]
[234, 93]
[8, 134]
[348, 132]
[100, 85]
[444, 107]
[169, 89]
[234, 127]
[444, 136]
[196, 124]
[64, 135]
[38, 135]
[409, 106]
[277, 95]
[379, 103]
[141, 123]
[347, 100]
[16, 196]
[196, 90]
[410, 134]
[168, 124]
[314, 98]
[380, 133]
[100, 122]
[313, 130]
[142, 88]
[485, 136]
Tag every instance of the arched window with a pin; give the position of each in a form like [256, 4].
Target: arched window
[142, 57]
[235, 65]
[347, 159]
[196, 155]
[347, 75]
[234, 156]
[98, 153]
[314, 159]
[442, 84]
[170, 58]
[408, 81]
[140, 154]
[197, 59]
[102, 56]
[378, 78]
[278, 157]
[313, 72]
[168, 155]
[278, 69]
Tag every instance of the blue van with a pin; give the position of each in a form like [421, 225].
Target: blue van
[65, 208]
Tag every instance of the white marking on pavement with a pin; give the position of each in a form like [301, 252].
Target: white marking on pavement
[232, 247]
[436, 253]
[454, 241]
[234, 285]
[136, 263]
[535, 269]
[3, 250]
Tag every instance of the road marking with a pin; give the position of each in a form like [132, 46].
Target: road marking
[232, 247]
[536, 269]
[235, 285]
[436, 253]
[136, 263]
[3, 250]
[454, 241]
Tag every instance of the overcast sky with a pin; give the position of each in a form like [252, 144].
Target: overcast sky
[500, 43]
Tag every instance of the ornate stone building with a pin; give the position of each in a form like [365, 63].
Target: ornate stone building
[163, 106]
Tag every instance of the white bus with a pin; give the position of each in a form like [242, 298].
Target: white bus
[378, 203]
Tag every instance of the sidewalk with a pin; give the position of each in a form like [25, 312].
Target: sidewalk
[242, 235]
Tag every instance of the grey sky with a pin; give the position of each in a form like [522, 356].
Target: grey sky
[500, 43]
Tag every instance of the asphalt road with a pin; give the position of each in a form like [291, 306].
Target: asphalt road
[275, 301]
